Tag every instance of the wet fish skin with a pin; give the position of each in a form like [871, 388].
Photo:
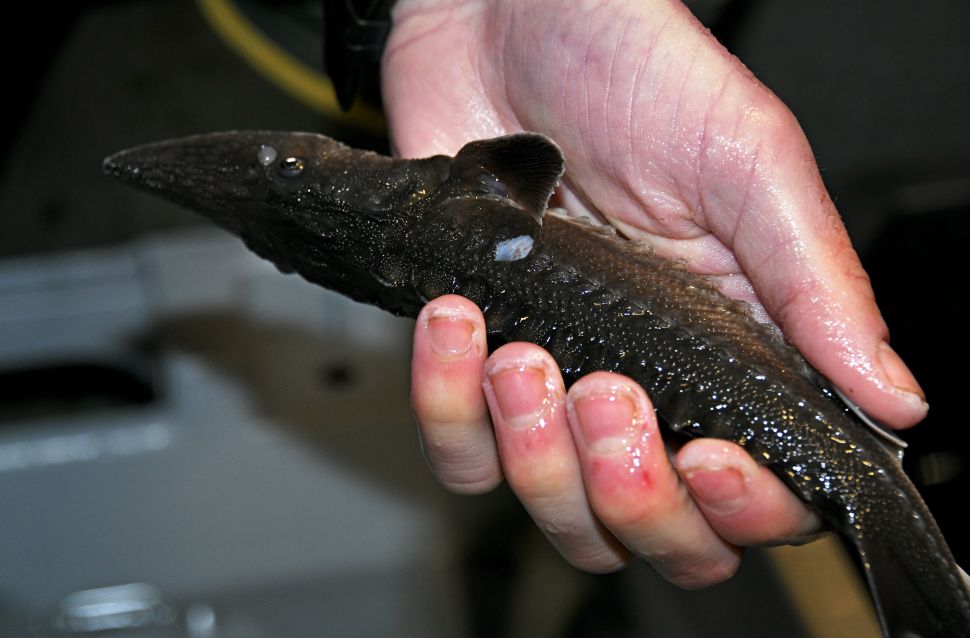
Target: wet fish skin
[397, 233]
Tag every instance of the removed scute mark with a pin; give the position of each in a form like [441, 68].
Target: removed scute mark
[514, 249]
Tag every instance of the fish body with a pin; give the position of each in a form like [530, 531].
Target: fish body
[398, 233]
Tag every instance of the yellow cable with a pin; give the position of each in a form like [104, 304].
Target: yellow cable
[305, 84]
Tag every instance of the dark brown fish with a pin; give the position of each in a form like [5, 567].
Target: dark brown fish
[397, 233]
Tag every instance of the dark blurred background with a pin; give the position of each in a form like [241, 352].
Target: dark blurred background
[192, 445]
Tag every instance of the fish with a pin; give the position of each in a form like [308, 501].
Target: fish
[397, 233]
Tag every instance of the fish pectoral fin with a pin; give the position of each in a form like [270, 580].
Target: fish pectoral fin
[524, 167]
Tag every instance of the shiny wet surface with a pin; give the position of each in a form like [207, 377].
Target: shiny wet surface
[273, 484]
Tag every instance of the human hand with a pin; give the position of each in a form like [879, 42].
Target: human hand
[673, 141]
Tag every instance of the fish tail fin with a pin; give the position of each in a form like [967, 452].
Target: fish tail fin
[917, 588]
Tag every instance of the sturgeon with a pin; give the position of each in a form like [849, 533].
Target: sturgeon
[398, 233]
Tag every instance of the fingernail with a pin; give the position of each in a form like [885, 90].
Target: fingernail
[722, 490]
[608, 421]
[522, 394]
[898, 373]
[450, 336]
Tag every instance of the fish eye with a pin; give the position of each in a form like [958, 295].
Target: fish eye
[291, 166]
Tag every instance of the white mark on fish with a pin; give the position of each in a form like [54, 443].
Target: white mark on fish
[514, 249]
[267, 154]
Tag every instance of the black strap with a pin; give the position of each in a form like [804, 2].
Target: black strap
[355, 34]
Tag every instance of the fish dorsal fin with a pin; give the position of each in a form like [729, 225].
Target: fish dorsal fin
[524, 167]
[895, 444]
